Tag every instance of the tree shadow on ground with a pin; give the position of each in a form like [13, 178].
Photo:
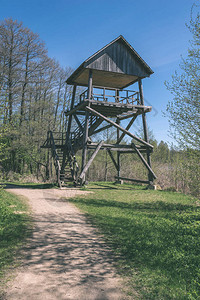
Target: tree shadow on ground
[155, 236]
[28, 185]
[66, 255]
[100, 186]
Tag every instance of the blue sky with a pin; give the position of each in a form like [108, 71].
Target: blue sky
[74, 30]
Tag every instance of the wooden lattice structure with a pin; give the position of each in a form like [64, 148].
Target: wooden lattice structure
[105, 75]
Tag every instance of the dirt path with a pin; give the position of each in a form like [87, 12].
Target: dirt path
[65, 258]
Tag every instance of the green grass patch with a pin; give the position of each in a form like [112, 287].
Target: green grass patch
[156, 235]
[14, 227]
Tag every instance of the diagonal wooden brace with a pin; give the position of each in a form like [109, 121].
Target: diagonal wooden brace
[94, 112]
[143, 160]
[127, 128]
[96, 125]
[102, 128]
[91, 160]
[79, 123]
[113, 160]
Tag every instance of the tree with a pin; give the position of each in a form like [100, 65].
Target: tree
[33, 98]
[184, 110]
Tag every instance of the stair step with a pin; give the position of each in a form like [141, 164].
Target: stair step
[66, 175]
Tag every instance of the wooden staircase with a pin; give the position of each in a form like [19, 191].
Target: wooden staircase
[64, 149]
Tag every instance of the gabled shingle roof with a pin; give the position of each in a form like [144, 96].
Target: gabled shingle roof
[119, 59]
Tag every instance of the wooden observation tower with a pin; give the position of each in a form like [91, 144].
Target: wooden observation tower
[105, 103]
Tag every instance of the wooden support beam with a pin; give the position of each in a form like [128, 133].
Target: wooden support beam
[146, 137]
[85, 135]
[86, 167]
[134, 180]
[127, 116]
[79, 123]
[94, 112]
[127, 128]
[118, 153]
[125, 151]
[79, 113]
[94, 126]
[71, 107]
[112, 158]
[68, 130]
[144, 161]
[119, 146]
[102, 128]
[89, 91]
[85, 139]
[78, 107]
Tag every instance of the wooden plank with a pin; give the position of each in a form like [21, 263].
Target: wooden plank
[86, 167]
[133, 180]
[78, 107]
[118, 146]
[118, 126]
[126, 151]
[121, 105]
[128, 115]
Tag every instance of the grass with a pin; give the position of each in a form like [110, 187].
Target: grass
[156, 235]
[14, 225]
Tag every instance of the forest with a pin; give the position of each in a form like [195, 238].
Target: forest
[34, 97]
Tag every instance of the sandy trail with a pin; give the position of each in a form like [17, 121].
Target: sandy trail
[65, 258]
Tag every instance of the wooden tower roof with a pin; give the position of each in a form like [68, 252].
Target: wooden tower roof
[116, 65]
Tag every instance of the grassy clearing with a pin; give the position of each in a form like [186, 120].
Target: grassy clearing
[14, 225]
[156, 234]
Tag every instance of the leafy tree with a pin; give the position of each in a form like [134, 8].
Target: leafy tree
[184, 110]
[33, 98]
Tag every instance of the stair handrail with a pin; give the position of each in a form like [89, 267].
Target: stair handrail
[55, 155]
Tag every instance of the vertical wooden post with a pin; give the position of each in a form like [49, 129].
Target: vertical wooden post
[86, 127]
[118, 135]
[118, 153]
[70, 116]
[68, 130]
[117, 96]
[89, 93]
[146, 137]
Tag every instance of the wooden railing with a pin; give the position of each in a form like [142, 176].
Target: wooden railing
[58, 137]
[55, 155]
[112, 95]
[78, 133]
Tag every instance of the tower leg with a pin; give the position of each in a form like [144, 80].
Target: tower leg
[118, 155]
[68, 131]
[146, 137]
[70, 116]
[85, 139]
[86, 128]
